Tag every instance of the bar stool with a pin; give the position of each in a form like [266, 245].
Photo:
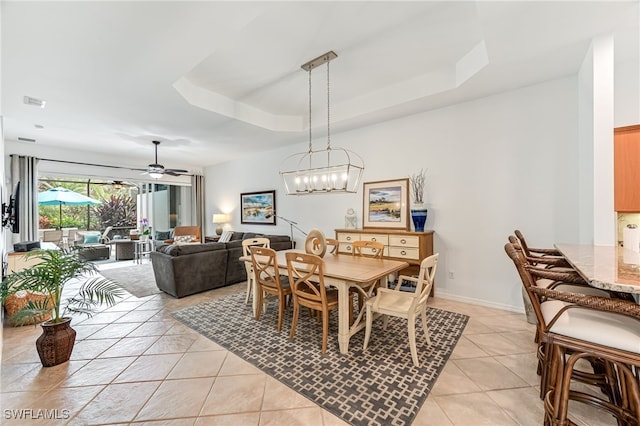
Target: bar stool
[575, 326]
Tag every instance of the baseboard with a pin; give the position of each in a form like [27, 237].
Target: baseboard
[480, 302]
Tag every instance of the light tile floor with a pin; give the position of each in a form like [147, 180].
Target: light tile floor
[133, 363]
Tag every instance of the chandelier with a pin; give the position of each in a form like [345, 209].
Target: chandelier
[332, 169]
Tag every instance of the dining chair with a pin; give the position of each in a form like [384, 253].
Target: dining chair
[306, 276]
[373, 249]
[333, 245]
[402, 304]
[246, 244]
[546, 257]
[268, 278]
[575, 326]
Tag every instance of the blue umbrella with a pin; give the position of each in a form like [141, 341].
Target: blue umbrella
[59, 196]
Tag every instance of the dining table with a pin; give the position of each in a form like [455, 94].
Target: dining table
[613, 268]
[343, 271]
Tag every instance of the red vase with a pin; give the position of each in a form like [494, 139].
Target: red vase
[55, 344]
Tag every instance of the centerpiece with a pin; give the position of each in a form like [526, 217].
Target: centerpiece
[418, 209]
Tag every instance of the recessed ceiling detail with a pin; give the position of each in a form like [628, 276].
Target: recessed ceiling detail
[225, 76]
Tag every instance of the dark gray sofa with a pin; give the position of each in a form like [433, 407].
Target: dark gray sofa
[181, 270]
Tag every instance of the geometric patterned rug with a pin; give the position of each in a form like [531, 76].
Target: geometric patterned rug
[378, 387]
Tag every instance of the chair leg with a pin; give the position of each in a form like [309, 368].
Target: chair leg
[325, 330]
[424, 325]
[412, 340]
[294, 320]
[367, 332]
[249, 289]
[259, 305]
[281, 303]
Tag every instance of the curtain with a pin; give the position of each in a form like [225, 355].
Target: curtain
[197, 195]
[25, 171]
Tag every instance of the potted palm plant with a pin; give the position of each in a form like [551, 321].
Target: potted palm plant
[48, 278]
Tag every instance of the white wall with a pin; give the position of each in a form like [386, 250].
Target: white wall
[495, 164]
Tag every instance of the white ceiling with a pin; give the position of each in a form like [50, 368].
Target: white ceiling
[215, 80]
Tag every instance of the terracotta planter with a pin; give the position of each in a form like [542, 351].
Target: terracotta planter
[55, 344]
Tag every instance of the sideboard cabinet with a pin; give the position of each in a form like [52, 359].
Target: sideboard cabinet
[412, 247]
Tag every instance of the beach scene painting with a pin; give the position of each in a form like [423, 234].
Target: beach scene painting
[258, 207]
[385, 204]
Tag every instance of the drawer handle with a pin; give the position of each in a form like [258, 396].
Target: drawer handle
[403, 241]
[348, 248]
[403, 253]
[348, 238]
[373, 239]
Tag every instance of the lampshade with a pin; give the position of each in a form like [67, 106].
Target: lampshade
[220, 219]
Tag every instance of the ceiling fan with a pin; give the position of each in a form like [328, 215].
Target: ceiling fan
[156, 170]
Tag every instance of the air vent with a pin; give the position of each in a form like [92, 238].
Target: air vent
[28, 100]
[26, 140]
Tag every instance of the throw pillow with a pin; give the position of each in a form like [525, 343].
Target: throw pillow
[183, 239]
[162, 235]
[226, 236]
[91, 238]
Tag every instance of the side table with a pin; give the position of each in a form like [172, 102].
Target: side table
[142, 248]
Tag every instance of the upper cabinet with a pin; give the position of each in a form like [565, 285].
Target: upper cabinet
[626, 163]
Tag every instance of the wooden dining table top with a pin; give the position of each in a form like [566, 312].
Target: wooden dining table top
[347, 267]
[607, 267]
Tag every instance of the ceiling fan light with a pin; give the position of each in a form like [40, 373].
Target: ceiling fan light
[155, 175]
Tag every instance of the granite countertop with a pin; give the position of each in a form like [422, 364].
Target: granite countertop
[606, 267]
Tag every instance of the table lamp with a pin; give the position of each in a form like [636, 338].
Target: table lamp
[220, 219]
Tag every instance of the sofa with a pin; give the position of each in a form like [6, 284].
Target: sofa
[184, 269]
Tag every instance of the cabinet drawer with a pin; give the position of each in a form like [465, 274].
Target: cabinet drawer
[404, 252]
[403, 241]
[347, 238]
[345, 248]
[384, 239]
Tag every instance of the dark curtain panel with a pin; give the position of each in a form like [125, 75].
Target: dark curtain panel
[25, 170]
[197, 195]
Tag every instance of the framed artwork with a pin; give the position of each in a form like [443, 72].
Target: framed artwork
[386, 204]
[258, 208]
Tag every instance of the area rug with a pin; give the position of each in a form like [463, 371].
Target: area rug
[137, 279]
[378, 387]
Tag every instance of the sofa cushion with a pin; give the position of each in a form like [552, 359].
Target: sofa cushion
[236, 236]
[233, 244]
[248, 235]
[179, 250]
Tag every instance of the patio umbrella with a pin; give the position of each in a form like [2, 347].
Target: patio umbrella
[60, 196]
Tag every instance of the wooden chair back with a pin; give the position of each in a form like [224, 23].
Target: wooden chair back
[368, 248]
[333, 245]
[266, 269]
[306, 277]
[257, 242]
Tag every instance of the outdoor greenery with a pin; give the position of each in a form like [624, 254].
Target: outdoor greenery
[116, 211]
[118, 208]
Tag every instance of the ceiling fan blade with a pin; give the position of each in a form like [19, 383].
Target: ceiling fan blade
[176, 170]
